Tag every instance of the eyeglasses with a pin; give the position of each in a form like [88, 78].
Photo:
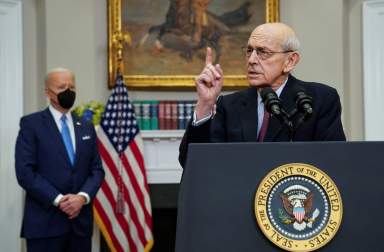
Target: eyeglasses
[262, 53]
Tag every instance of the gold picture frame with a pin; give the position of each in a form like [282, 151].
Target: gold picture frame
[120, 40]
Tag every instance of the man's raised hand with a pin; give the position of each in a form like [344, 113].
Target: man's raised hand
[208, 86]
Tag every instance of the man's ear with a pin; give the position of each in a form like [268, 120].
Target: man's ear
[46, 91]
[292, 60]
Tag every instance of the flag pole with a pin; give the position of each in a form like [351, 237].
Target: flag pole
[119, 39]
[120, 206]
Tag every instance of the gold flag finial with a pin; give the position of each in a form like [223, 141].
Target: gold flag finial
[119, 39]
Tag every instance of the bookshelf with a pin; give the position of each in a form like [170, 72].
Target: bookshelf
[162, 124]
[162, 134]
[161, 149]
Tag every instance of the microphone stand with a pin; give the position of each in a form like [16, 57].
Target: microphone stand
[298, 122]
[285, 119]
[272, 104]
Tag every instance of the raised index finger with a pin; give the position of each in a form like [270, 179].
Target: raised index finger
[208, 56]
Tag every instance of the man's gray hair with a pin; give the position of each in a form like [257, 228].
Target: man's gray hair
[58, 70]
[291, 43]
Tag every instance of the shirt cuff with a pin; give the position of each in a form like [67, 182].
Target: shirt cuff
[87, 199]
[201, 121]
[57, 199]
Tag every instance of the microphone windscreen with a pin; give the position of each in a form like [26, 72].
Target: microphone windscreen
[298, 91]
[265, 92]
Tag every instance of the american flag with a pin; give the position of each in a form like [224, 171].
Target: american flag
[122, 206]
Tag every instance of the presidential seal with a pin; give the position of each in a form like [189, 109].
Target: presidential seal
[298, 207]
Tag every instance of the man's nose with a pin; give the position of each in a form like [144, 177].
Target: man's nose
[70, 86]
[253, 58]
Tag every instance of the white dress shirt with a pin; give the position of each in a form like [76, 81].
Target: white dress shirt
[57, 117]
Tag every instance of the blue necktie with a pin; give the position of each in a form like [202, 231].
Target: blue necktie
[67, 139]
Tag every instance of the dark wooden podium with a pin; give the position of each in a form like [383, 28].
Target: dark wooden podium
[216, 201]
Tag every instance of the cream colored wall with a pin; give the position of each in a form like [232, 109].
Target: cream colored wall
[76, 39]
[73, 34]
[319, 26]
[67, 34]
[331, 37]
[34, 52]
[353, 91]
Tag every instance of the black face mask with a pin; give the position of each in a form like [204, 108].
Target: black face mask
[66, 98]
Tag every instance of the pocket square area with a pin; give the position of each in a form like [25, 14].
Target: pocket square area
[86, 137]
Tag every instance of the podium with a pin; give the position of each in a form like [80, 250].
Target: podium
[217, 193]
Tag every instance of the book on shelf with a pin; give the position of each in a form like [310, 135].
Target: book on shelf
[154, 112]
[174, 115]
[146, 115]
[138, 114]
[167, 115]
[181, 115]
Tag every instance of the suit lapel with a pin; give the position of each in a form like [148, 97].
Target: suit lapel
[54, 132]
[288, 104]
[77, 125]
[288, 95]
[248, 114]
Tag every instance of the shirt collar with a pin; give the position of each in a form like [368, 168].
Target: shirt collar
[57, 114]
[280, 89]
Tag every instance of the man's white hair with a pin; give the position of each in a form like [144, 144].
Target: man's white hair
[291, 43]
[58, 70]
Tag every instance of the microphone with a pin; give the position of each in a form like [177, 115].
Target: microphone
[271, 101]
[304, 102]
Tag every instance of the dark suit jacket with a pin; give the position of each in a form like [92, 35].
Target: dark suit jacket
[43, 169]
[236, 118]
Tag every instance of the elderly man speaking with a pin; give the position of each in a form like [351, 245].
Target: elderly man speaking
[271, 54]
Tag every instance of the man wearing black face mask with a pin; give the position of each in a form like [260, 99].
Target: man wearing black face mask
[59, 167]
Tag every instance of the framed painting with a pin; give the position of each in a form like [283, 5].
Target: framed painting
[161, 44]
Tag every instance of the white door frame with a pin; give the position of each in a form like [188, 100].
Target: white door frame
[11, 109]
[373, 48]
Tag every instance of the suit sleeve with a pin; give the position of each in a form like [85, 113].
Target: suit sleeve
[210, 131]
[329, 126]
[193, 134]
[27, 168]
[96, 175]
[218, 126]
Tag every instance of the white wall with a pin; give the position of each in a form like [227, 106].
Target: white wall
[70, 34]
[34, 61]
[331, 36]
[76, 38]
[11, 106]
[319, 26]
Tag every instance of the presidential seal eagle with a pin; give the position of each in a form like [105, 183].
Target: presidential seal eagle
[297, 201]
